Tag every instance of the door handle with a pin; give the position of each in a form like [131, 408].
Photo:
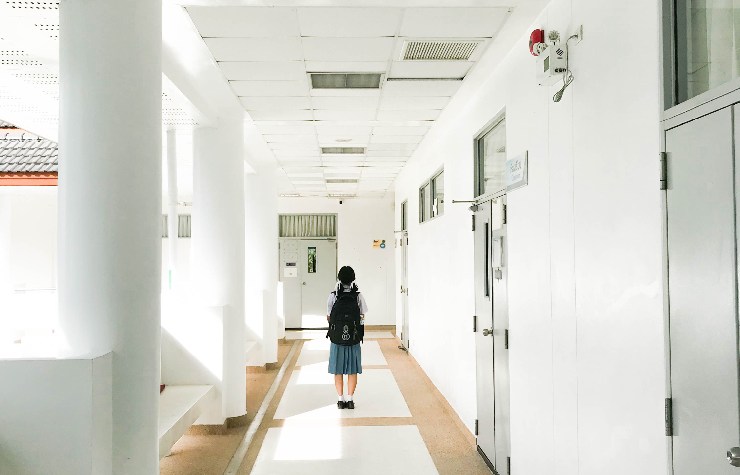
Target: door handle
[733, 456]
[487, 332]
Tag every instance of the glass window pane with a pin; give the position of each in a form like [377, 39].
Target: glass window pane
[403, 215]
[492, 160]
[438, 203]
[427, 200]
[311, 260]
[707, 45]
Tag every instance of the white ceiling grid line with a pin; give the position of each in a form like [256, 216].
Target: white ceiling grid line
[268, 53]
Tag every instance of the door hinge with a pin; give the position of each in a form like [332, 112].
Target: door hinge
[663, 171]
[504, 215]
[669, 417]
[473, 222]
[475, 323]
[476, 427]
[506, 339]
[508, 465]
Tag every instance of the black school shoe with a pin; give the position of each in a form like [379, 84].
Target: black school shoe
[342, 405]
[349, 404]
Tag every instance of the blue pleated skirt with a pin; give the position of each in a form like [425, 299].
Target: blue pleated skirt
[345, 359]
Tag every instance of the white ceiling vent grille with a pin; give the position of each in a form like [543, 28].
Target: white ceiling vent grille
[31, 5]
[337, 181]
[342, 150]
[345, 81]
[446, 50]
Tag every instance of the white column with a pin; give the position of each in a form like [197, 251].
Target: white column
[218, 246]
[172, 218]
[110, 203]
[262, 257]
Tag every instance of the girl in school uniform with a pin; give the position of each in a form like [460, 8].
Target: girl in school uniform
[346, 359]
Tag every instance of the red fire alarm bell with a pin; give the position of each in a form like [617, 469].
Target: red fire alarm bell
[537, 42]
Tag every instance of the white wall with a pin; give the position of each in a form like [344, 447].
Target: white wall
[360, 221]
[585, 292]
[56, 416]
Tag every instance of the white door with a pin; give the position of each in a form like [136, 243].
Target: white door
[405, 290]
[317, 262]
[500, 334]
[483, 327]
[702, 286]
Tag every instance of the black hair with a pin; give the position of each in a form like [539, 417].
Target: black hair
[346, 275]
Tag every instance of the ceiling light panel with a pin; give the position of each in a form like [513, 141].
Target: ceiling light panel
[275, 102]
[345, 80]
[270, 88]
[349, 22]
[416, 88]
[413, 103]
[347, 49]
[453, 22]
[430, 69]
[263, 70]
[255, 49]
[256, 22]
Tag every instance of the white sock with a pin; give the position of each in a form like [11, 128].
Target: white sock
[340, 398]
[349, 397]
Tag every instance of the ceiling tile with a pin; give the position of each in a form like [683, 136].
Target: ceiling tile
[349, 22]
[281, 115]
[304, 163]
[272, 103]
[347, 66]
[421, 88]
[400, 130]
[344, 140]
[256, 22]
[294, 139]
[324, 128]
[453, 22]
[345, 103]
[270, 88]
[344, 114]
[374, 147]
[263, 70]
[255, 49]
[288, 128]
[409, 115]
[396, 139]
[430, 69]
[375, 154]
[413, 103]
[348, 49]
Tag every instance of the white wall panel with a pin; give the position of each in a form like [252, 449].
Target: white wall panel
[587, 351]
[360, 221]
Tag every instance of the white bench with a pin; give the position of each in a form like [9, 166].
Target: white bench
[179, 408]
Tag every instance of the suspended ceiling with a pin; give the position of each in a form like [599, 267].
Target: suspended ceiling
[264, 55]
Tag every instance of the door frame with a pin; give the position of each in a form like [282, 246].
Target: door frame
[727, 95]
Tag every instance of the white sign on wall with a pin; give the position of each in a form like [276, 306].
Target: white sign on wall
[516, 172]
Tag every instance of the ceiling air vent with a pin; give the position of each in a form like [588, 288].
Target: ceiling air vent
[342, 150]
[345, 81]
[435, 50]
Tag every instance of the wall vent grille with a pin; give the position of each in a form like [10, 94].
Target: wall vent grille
[184, 225]
[449, 50]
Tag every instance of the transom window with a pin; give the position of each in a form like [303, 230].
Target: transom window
[490, 159]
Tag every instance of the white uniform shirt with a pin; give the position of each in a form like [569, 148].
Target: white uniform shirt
[360, 301]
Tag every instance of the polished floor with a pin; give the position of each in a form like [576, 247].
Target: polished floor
[401, 424]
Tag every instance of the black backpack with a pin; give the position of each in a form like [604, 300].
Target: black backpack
[344, 319]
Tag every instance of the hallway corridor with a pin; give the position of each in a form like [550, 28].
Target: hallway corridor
[401, 424]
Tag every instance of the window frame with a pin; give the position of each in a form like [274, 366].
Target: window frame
[404, 215]
[479, 191]
[433, 194]
[426, 210]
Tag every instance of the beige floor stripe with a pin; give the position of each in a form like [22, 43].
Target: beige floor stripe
[241, 451]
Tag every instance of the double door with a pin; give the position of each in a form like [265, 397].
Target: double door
[491, 326]
[702, 414]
